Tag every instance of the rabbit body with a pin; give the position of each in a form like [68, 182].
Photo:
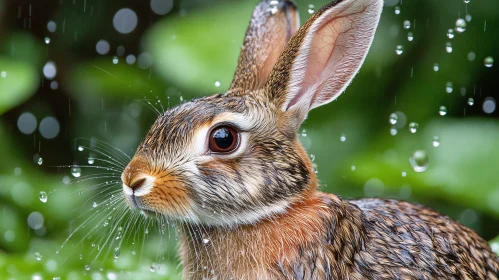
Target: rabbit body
[230, 170]
[327, 237]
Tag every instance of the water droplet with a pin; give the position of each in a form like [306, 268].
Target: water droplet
[38, 256]
[413, 127]
[436, 141]
[304, 133]
[404, 173]
[353, 167]
[466, 1]
[116, 252]
[436, 67]
[80, 148]
[419, 161]
[47, 40]
[56, 278]
[393, 118]
[471, 56]
[87, 267]
[449, 87]
[206, 241]
[91, 160]
[311, 9]
[407, 24]
[3, 74]
[153, 267]
[76, 172]
[448, 47]
[115, 60]
[399, 49]
[471, 101]
[93, 244]
[488, 61]
[49, 70]
[397, 10]
[393, 131]
[410, 36]
[40, 161]
[125, 20]
[273, 6]
[460, 25]
[489, 105]
[43, 197]
[450, 33]
[51, 26]
[442, 111]
[146, 231]
[468, 18]
[217, 83]
[343, 138]
[105, 223]
[134, 253]
[94, 204]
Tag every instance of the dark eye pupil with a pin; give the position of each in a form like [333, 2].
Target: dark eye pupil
[223, 138]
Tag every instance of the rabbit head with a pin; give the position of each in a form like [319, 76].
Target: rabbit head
[235, 158]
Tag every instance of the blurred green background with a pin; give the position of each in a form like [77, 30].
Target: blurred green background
[75, 74]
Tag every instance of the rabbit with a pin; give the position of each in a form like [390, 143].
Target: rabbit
[230, 171]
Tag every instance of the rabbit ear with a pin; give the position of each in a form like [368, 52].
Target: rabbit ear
[324, 56]
[271, 26]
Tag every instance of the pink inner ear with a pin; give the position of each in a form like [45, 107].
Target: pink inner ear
[333, 53]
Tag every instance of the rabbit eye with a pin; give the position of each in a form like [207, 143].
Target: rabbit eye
[223, 139]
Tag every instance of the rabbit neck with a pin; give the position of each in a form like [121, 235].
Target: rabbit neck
[265, 249]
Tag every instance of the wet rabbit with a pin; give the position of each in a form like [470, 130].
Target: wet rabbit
[229, 169]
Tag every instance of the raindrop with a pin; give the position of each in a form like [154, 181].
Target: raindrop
[91, 160]
[393, 118]
[374, 187]
[460, 25]
[436, 141]
[311, 9]
[47, 40]
[404, 173]
[43, 197]
[130, 59]
[153, 267]
[116, 252]
[217, 83]
[38, 256]
[115, 60]
[40, 161]
[49, 70]
[102, 47]
[3, 74]
[450, 33]
[54, 85]
[449, 87]
[343, 138]
[161, 7]
[87, 267]
[94, 204]
[471, 56]
[471, 101]
[76, 171]
[419, 161]
[145, 60]
[120, 50]
[399, 49]
[304, 133]
[489, 105]
[35, 220]
[51, 26]
[410, 36]
[56, 278]
[26, 123]
[49, 127]
[466, 1]
[488, 61]
[442, 111]
[80, 148]
[468, 18]
[206, 241]
[125, 20]
[407, 24]
[397, 10]
[448, 47]
[436, 67]
[353, 167]
[393, 131]
[413, 127]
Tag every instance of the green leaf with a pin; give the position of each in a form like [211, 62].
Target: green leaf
[462, 169]
[18, 81]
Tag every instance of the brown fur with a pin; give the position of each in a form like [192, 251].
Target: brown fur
[302, 233]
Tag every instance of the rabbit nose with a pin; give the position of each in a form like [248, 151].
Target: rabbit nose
[137, 183]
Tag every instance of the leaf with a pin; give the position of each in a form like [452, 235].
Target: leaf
[463, 169]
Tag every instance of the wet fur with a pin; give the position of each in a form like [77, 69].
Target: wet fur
[258, 214]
